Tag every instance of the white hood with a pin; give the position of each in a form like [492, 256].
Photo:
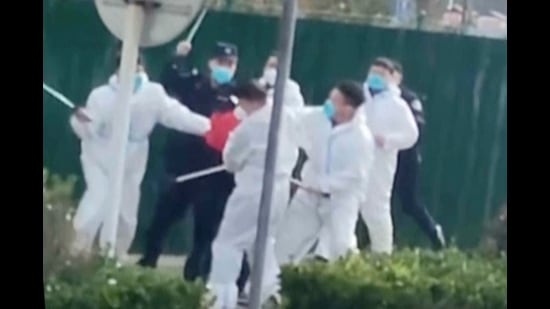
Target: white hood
[113, 80]
[394, 88]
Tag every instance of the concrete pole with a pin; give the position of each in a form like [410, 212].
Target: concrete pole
[285, 46]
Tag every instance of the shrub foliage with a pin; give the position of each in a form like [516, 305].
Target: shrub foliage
[408, 279]
[414, 279]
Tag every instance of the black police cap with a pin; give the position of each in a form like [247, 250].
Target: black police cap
[224, 49]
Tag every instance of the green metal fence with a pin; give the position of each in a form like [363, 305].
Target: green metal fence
[463, 79]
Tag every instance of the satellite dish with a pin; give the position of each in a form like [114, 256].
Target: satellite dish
[164, 19]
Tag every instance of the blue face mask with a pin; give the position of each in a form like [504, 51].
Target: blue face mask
[221, 75]
[138, 81]
[376, 82]
[328, 109]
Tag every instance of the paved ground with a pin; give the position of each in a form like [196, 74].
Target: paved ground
[165, 261]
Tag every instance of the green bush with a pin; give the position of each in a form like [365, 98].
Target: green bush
[82, 282]
[57, 213]
[495, 239]
[111, 286]
[408, 279]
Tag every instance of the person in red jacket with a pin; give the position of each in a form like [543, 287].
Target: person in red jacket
[221, 125]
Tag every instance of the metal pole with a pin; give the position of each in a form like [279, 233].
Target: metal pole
[285, 46]
[133, 27]
[465, 17]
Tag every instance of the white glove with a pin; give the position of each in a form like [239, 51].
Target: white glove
[183, 48]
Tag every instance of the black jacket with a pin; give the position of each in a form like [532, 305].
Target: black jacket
[413, 101]
[186, 153]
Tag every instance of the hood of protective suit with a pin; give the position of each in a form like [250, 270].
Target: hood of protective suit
[139, 80]
[394, 88]
[293, 96]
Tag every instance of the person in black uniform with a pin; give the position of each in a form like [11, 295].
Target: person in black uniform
[406, 183]
[204, 94]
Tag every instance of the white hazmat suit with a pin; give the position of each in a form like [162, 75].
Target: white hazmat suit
[292, 97]
[149, 105]
[388, 117]
[244, 155]
[293, 104]
[339, 159]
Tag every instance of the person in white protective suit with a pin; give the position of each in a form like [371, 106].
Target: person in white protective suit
[292, 97]
[322, 215]
[244, 155]
[293, 102]
[393, 127]
[149, 105]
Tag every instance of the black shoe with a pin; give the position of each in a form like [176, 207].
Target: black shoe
[145, 263]
[318, 258]
[243, 299]
[272, 302]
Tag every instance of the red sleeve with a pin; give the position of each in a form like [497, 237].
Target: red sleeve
[221, 125]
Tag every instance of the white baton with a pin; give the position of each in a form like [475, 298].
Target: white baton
[61, 98]
[221, 168]
[56, 94]
[196, 26]
[201, 173]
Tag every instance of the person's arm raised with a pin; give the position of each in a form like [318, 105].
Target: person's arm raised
[174, 115]
[177, 73]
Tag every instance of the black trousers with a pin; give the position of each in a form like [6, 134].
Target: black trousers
[406, 187]
[207, 198]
